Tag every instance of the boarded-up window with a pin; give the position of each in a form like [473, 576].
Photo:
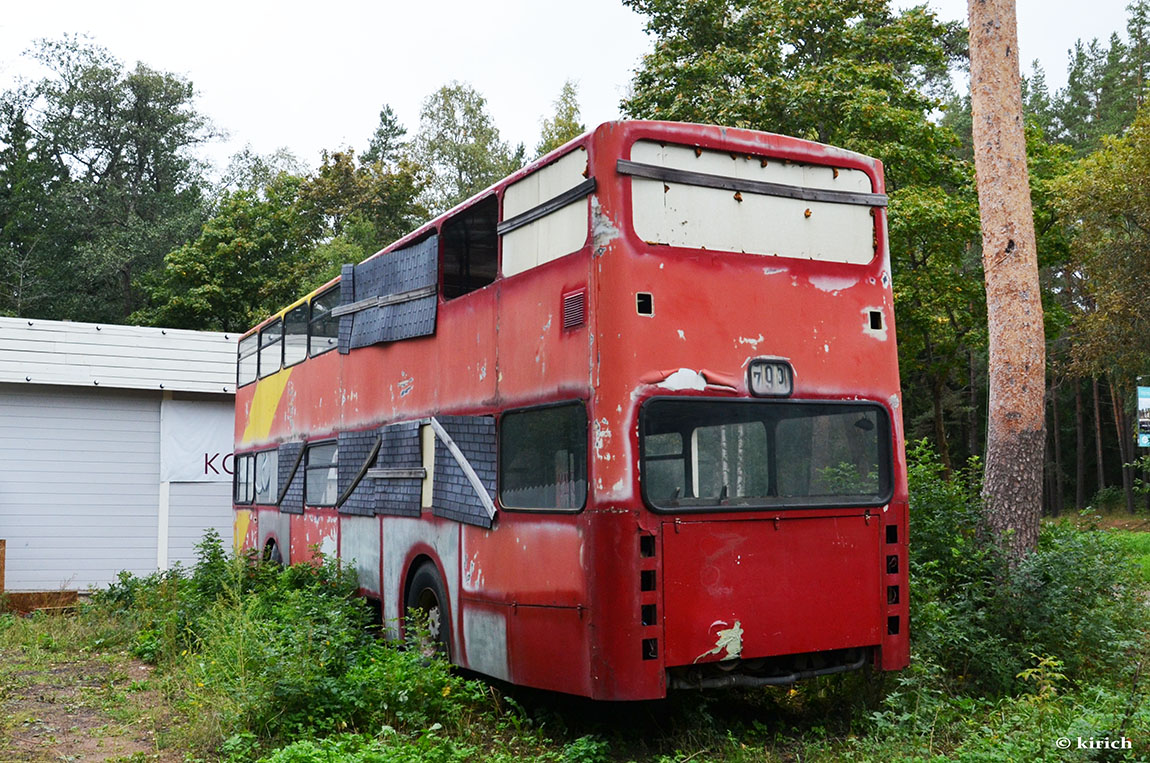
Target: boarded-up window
[677, 209]
[562, 230]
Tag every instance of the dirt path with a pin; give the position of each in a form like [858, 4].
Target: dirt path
[78, 708]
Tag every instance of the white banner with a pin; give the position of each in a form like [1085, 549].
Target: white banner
[196, 438]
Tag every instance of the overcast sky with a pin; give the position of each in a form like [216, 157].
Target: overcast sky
[310, 76]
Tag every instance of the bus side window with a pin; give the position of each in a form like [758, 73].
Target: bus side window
[295, 335]
[266, 480]
[469, 247]
[543, 458]
[323, 328]
[246, 360]
[244, 479]
[271, 348]
[665, 474]
[321, 474]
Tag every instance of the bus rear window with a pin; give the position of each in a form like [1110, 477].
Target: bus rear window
[740, 454]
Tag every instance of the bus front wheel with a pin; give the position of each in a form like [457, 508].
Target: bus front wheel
[427, 623]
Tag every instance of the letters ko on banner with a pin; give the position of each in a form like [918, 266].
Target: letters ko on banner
[196, 440]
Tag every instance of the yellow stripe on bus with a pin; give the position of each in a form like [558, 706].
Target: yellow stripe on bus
[243, 520]
[265, 403]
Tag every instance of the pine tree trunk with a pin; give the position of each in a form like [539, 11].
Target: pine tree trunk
[1098, 436]
[1012, 486]
[940, 427]
[1079, 449]
[1125, 447]
[1056, 499]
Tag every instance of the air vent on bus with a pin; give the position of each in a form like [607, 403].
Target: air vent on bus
[574, 309]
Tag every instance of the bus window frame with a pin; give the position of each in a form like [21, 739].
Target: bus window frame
[499, 457]
[306, 307]
[240, 355]
[308, 468]
[271, 454]
[312, 320]
[248, 500]
[275, 323]
[885, 446]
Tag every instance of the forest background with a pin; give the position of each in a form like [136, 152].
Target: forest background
[106, 214]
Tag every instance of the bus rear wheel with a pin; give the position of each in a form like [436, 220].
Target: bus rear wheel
[426, 620]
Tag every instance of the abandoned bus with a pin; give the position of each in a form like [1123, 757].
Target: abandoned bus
[626, 421]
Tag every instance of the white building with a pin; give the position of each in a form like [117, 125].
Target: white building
[115, 449]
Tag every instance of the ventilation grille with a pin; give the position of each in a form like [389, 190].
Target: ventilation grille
[574, 309]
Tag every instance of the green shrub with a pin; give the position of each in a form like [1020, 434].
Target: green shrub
[980, 619]
[264, 653]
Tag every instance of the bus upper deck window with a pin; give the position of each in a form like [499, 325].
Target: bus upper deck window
[469, 247]
[323, 327]
[246, 360]
[271, 348]
[295, 335]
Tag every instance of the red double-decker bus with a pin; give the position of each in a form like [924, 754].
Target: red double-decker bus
[626, 421]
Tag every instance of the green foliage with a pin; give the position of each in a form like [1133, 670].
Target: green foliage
[979, 619]
[459, 147]
[853, 74]
[98, 158]
[249, 260]
[1108, 199]
[387, 144]
[1135, 546]
[565, 124]
[263, 653]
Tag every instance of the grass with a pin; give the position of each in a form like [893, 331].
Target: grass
[238, 662]
[1136, 546]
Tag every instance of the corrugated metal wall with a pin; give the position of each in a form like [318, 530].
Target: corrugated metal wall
[195, 507]
[79, 484]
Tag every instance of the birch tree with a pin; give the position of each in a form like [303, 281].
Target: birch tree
[1012, 486]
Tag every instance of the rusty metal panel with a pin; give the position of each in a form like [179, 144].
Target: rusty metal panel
[292, 492]
[400, 449]
[453, 495]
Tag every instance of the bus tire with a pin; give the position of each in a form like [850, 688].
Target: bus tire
[427, 622]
